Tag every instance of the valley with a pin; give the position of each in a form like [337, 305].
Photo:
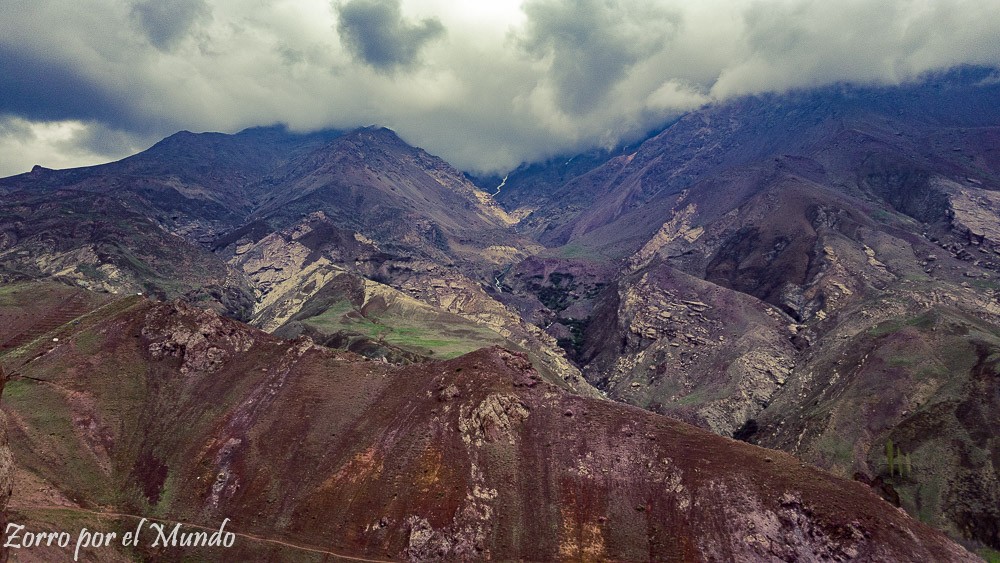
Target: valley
[695, 347]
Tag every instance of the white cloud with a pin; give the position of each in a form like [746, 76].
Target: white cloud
[57, 144]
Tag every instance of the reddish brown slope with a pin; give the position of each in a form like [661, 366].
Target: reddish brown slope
[174, 411]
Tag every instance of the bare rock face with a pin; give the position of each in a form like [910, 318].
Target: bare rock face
[493, 419]
[674, 344]
[473, 458]
[289, 266]
[200, 338]
[459, 294]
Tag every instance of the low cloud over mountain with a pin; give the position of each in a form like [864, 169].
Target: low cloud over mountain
[485, 85]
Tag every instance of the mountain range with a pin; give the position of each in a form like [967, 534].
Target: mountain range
[747, 336]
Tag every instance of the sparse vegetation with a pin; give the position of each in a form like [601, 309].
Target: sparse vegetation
[897, 461]
[881, 215]
[890, 456]
[576, 251]
[576, 328]
[798, 296]
[91, 271]
[835, 450]
[990, 555]
[438, 335]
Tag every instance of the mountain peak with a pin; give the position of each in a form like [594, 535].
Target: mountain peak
[380, 135]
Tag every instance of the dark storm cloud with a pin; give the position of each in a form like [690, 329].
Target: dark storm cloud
[166, 22]
[376, 33]
[39, 88]
[593, 43]
[103, 140]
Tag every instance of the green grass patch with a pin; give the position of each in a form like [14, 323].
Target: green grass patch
[698, 397]
[990, 555]
[7, 292]
[440, 339]
[91, 271]
[16, 389]
[884, 328]
[881, 215]
[576, 251]
[51, 436]
[335, 318]
[424, 332]
[980, 283]
[167, 495]
[934, 371]
[922, 366]
[903, 361]
[925, 321]
[7, 288]
[88, 342]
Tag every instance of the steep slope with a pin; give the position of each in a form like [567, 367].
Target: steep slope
[168, 410]
[309, 275]
[945, 124]
[194, 185]
[925, 378]
[814, 271]
[258, 222]
[399, 196]
[672, 343]
[105, 242]
[140, 224]
[751, 251]
[528, 188]
[352, 308]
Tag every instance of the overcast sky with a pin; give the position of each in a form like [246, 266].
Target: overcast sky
[486, 84]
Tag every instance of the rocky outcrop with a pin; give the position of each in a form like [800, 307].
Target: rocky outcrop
[677, 345]
[678, 228]
[922, 384]
[458, 294]
[496, 418]
[288, 267]
[199, 338]
[472, 458]
[975, 212]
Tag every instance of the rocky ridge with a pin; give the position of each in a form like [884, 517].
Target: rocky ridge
[475, 457]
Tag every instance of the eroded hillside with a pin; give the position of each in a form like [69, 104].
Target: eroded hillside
[815, 272]
[173, 411]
